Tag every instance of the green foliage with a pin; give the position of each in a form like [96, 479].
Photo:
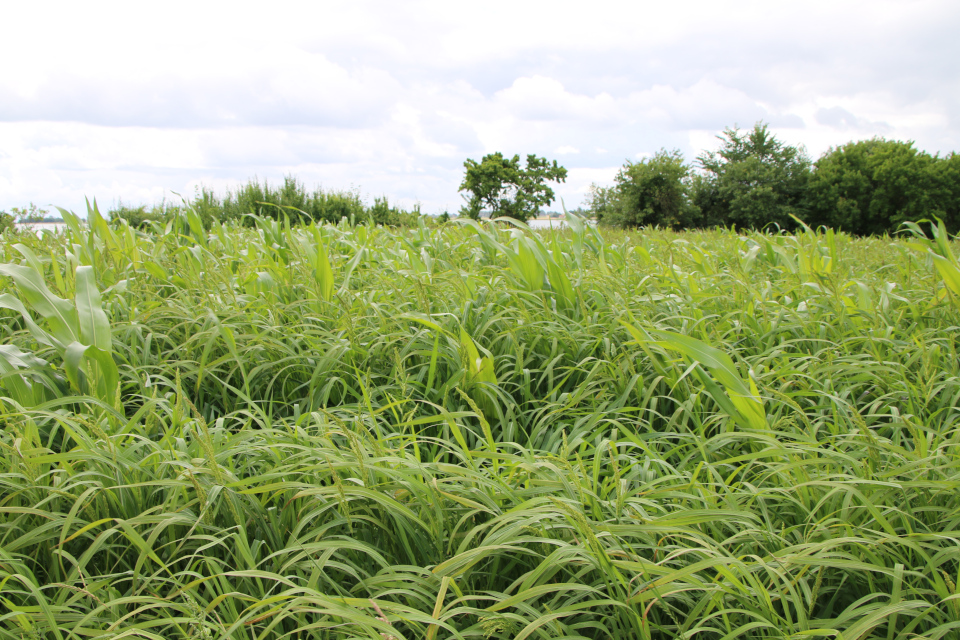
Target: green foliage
[873, 186]
[31, 213]
[706, 208]
[381, 213]
[334, 206]
[142, 217]
[603, 203]
[753, 180]
[262, 200]
[946, 187]
[652, 192]
[290, 201]
[207, 206]
[505, 189]
[472, 430]
[941, 254]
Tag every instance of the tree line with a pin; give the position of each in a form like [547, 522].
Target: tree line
[755, 181]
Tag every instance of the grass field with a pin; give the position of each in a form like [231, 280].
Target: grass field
[477, 432]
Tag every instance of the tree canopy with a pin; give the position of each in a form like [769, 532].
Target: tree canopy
[651, 192]
[504, 188]
[754, 179]
[873, 186]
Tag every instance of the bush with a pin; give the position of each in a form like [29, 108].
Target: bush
[333, 206]
[652, 192]
[383, 214]
[602, 203]
[291, 200]
[6, 221]
[260, 200]
[140, 217]
[871, 187]
[754, 180]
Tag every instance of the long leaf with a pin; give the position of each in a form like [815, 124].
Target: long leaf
[740, 400]
[94, 326]
[60, 314]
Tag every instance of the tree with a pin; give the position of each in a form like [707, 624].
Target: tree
[501, 186]
[946, 177]
[29, 214]
[872, 186]
[652, 192]
[6, 221]
[603, 203]
[754, 180]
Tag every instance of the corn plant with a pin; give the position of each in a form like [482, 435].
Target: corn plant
[263, 430]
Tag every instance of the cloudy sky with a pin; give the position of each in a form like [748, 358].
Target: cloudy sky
[135, 101]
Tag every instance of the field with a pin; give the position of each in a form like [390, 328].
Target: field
[474, 431]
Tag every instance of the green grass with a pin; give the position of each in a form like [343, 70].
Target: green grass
[477, 432]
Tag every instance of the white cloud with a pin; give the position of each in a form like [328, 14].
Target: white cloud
[544, 99]
[119, 99]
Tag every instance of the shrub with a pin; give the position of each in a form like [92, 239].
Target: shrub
[652, 192]
[706, 209]
[290, 200]
[293, 201]
[382, 213]
[252, 198]
[140, 217]
[872, 186]
[333, 206]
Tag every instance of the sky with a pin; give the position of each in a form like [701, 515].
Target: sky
[138, 102]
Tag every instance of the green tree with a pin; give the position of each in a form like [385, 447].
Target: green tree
[946, 178]
[753, 180]
[871, 187]
[602, 203]
[500, 186]
[30, 213]
[653, 192]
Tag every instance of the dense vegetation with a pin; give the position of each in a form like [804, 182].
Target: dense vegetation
[477, 432]
[755, 181]
[290, 200]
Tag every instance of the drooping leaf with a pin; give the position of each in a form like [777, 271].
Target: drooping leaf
[60, 314]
